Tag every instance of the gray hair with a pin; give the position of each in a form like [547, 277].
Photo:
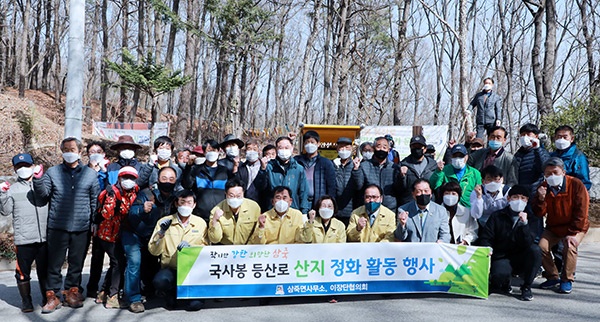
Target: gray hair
[71, 139]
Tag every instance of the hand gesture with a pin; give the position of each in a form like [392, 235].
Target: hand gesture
[362, 222]
[292, 136]
[541, 192]
[164, 225]
[183, 245]
[263, 162]
[470, 136]
[217, 215]
[152, 159]
[440, 165]
[571, 241]
[356, 163]
[38, 171]
[191, 159]
[402, 217]
[403, 170]
[148, 206]
[478, 191]
[523, 217]
[261, 220]
[4, 186]
[497, 123]
[311, 216]
[451, 143]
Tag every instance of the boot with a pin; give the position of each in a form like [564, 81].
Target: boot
[73, 297]
[52, 302]
[25, 291]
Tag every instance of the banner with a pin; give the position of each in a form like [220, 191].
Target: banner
[436, 135]
[331, 269]
[139, 131]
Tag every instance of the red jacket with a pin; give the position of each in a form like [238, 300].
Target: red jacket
[567, 211]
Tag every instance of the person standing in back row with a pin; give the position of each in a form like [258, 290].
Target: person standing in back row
[488, 107]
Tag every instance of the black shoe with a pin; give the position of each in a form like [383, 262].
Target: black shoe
[195, 305]
[526, 294]
[506, 289]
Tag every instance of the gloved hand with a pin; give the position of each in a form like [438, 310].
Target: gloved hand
[183, 245]
[164, 225]
[4, 186]
[38, 171]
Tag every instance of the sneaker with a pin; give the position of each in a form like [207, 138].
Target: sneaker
[73, 297]
[137, 307]
[52, 303]
[526, 294]
[549, 284]
[506, 289]
[113, 302]
[100, 297]
[565, 287]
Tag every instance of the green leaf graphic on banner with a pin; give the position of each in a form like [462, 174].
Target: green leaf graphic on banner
[470, 278]
[185, 260]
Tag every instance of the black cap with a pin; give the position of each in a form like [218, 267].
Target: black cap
[230, 138]
[519, 190]
[459, 148]
[418, 139]
[344, 140]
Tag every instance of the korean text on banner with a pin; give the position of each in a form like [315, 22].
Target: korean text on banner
[332, 269]
[139, 131]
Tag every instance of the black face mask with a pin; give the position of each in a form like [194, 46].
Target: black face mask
[416, 153]
[166, 187]
[423, 200]
[380, 154]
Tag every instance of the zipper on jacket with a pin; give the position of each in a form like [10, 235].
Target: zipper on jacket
[37, 215]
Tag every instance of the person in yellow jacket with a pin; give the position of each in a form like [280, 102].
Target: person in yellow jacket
[280, 225]
[171, 234]
[232, 221]
[325, 228]
[372, 222]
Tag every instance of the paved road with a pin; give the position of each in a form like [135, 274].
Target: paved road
[581, 305]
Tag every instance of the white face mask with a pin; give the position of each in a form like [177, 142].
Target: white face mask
[517, 205]
[96, 157]
[212, 156]
[185, 211]
[127, 184]
[367, 155]
[232, 151]
[70, 157]
[450, 200]
[311, 148]
[554, 180]
[325, 213]
[284, 154]
[235, 203]
[163, 154]
[251, 156]
[282, 206]
[127, 154]
[492, 186]
[562, 144]
[25, 172]
[344, 154]
[487, 87]
[199, 160]
[458, 163]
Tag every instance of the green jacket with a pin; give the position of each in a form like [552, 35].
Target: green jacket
[470, 179]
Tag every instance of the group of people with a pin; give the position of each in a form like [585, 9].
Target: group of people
[142, 214]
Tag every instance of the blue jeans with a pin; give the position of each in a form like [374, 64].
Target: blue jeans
[137, 255]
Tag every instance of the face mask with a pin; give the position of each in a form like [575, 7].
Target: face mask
[212, 156]
[199, 160]
[367, 155]
[494, 145]
[492, 186]
[423, 200]
[458, 163]
[282, 206]
[235, 203]
[166, 187]
[562, 144]
[163, 154]
[284, 154]
[525, 141]
[70, 157]
[517, 205]
[344, 154]
[251, 156]
[181, 164]
[127, 154]
[311, 148]
[487, 87]
[185, 211]
[554, 180]
[381, 154]
[96, 157]
[232, 151]
[127, 184]
[372, 206]
[25, 172]
[416, 153]
[450, 200]
[325, 213]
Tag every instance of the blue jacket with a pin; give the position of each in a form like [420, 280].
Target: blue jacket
[114, 167]
[142, 223]
[292, 176]
[576, 164]
[323, 177]
[209, 189]
[527, 165]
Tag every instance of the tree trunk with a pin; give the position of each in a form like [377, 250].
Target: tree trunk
[326, 64]
[303, 103]
[103, 69]
[404, 14]
[173, 33]
[56, 51]
[462, 57]
[49, 57]
[35, 44]
[549, 58]
[124, 45]
[24, 49]
[3, 48]
[589, 44]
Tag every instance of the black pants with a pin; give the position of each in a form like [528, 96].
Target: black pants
[59, 242]
[26, 254]
[96, 264]
[113, 278]
[525, 263]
